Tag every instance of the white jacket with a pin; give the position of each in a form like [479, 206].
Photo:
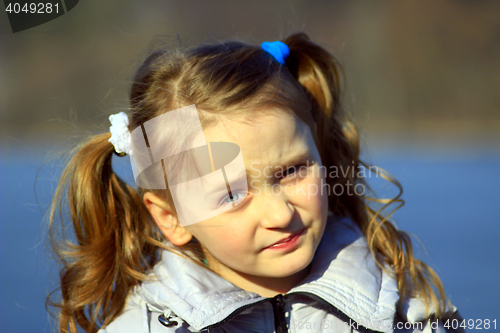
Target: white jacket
[344, 292]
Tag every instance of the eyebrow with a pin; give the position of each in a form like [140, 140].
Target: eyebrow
[297, 158]
[289, 162]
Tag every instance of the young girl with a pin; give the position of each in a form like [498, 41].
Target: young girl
[290, 243]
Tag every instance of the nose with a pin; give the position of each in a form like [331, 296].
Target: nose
[277, 211]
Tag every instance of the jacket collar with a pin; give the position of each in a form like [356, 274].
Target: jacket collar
[343, 274]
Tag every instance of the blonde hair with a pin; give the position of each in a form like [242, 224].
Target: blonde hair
[116, 241]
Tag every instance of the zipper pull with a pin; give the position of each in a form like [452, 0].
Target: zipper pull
[167, 322]
[278, 303]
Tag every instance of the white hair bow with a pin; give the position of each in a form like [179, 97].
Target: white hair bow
[120, 134]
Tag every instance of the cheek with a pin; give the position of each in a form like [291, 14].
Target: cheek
[310, 194]
[225, 242]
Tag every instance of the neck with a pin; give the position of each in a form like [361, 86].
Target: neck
[261, 285]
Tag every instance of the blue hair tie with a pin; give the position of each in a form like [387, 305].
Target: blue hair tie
[277, 49]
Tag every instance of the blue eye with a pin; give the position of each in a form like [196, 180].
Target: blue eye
[234, 198]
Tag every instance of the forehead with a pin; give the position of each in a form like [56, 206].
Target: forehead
[264, 138]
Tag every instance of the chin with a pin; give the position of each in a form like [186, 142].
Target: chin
[297, 266]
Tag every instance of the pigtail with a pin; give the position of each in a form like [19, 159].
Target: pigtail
[114, 240]
[316, 70]
[320, 75]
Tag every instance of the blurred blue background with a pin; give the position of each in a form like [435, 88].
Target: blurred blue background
[422, 82]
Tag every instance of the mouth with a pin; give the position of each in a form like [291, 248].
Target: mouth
[287, 242]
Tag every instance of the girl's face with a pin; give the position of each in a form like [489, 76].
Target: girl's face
[274, 231]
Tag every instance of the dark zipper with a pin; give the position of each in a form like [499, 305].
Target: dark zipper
[278, 303]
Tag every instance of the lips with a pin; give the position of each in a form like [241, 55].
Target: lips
[287, 239]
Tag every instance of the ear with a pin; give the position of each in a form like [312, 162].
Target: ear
[166, 221]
